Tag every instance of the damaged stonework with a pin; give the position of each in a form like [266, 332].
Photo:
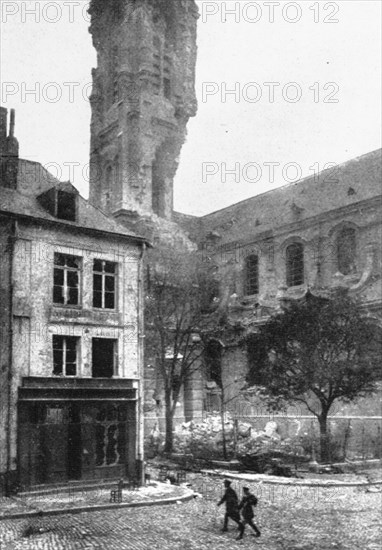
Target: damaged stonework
[313, 235]
[143, 96]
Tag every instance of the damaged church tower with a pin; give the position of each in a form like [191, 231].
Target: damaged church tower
[143, 96]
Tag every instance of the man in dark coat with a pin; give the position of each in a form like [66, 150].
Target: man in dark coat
[246, 506]
[232, 507]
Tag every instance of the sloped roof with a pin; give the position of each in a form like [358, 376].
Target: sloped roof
[350, 183]
[34, 179]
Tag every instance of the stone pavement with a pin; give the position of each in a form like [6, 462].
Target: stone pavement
[67, 500]
[290, 518]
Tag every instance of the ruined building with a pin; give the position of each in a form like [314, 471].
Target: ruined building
[70, 330]
[143, 96]
[71, 362]
[311, 235]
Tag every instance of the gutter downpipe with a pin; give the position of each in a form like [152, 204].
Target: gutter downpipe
[12, 240]
[141, 336]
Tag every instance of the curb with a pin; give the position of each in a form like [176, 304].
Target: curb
[271, 480]
[98, 507]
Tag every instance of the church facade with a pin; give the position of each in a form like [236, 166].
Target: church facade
[310, 236]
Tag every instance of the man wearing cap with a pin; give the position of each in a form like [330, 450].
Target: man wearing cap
[232, 507]
[246, 506]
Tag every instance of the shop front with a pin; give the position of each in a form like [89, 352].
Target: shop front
[76, 430]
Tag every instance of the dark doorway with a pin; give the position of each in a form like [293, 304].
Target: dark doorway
[213, 361]
[213, 364]
[74, 443]
[103, 357]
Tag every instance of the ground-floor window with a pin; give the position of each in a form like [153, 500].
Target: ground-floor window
[110, 438]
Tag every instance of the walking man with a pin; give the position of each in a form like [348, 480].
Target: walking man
[232, 507]
[246, 506]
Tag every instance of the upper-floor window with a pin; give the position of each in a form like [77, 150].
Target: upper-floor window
[252, 275]
[104, 284]
[295, 264]
[59, 203]
[66, 287]
[65, 355]
[346, 250]
[104, 361]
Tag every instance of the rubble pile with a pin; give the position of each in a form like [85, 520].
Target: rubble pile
[257, 450]
[205, 439]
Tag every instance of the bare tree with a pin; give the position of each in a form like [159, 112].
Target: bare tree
[317, 352]
[178, 296]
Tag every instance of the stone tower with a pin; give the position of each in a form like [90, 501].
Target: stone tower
[143, 96]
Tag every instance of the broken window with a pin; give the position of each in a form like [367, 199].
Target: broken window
[110, 435]
[66, 284]
[295, 264]
[104, 284]
[65, 355]
[104, 357]
[252, 275]
[346, 250]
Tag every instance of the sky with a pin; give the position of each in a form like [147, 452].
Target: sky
[304, 78]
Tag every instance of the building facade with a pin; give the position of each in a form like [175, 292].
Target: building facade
[312, 235]
[71, 327]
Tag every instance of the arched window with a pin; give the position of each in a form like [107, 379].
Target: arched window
[295, 264]
[346, 250]
[251, 275]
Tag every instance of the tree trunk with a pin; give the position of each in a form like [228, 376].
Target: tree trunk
[169, 438]
[324, 439]
[222, 411]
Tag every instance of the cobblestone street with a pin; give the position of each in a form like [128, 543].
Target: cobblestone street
[290, 518]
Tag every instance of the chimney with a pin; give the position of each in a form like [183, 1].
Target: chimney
[3, 128]
[9, 151]
[12, 124]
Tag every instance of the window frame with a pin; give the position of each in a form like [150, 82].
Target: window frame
[350, 270]
[104, 438]
[64, 366]
[248, 276]
[66, 206]
[103, 274]
[115, 357]
[65, 287]
[294, 278]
